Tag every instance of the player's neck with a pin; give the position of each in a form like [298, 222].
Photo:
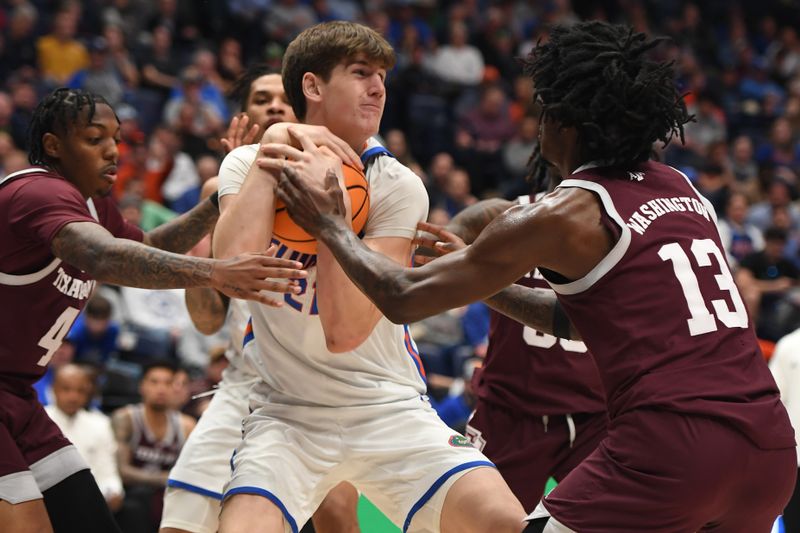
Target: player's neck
[355, 140]
[155, 417]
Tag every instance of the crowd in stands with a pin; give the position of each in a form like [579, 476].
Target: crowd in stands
[459, 113]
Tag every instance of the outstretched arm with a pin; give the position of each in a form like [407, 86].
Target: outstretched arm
[180, 234]
[93, 249]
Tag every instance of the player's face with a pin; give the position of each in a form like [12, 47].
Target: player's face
[353, 99]
[72, 392]
[156, 388]
[87, 155]
[267, 104]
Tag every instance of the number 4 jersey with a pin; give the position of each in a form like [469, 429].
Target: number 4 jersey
[41, 295]
[674, 333]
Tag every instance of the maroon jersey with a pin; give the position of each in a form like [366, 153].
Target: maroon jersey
[150, 453]
[675, 334]
[536, 373]
[40, 294]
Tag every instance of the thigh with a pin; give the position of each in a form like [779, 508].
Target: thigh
[791, 513]
[401, 455]
[480, 501]
[285, 455]
[590, 430]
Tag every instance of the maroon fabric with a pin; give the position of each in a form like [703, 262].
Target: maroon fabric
[27, 434]
[526, 452]
[664, 472]
[646, 352]
[35, 315]
[534, 373]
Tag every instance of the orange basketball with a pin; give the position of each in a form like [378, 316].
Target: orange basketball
[296, 238]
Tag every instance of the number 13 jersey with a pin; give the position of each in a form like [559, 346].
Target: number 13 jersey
[676, 334]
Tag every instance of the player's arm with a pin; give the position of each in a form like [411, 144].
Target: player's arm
[180, 234]
[187, 424]
[207, 307]
[517, 240]
[471, 221]
[90, 247]
[246, 219]
[122, 424]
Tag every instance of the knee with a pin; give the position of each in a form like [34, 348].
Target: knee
[249, 513]
[338, 511]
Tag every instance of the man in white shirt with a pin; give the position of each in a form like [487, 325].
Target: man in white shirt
[89, 431]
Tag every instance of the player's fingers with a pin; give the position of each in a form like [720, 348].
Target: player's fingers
[234, 125]
[287, 273]
[420, 260]
[434, 229]
[305, 141]
[271, 250]
[342, 151]
[281, 150]
[424, 241]
[271, 163]
[264, 299]
[227, 145]
[250, 136]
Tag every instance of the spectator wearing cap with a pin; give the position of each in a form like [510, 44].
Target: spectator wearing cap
[59, 54]
[101, 76]
[205, 117]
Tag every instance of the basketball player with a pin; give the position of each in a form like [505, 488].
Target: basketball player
[698, 439]
[149, 437]
[540, 407]
[342, 396]
[195, 484]
[60, 233]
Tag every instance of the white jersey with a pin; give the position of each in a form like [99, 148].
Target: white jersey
[289, 351]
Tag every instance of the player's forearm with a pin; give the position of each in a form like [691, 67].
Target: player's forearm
[181, 234]
[347, 315]
[246, 224]
[207, 309]
[124, 262]
[535, 308]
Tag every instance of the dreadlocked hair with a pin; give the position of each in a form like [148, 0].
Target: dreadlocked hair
[595, 77]
[240, 92]
[57, 113]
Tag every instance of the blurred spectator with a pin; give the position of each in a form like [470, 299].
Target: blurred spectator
[160, 67]
[781, 149]
[779, 195]
[59, 55]
[120, 56]
[712, 184]
[144, 213]
[739, 238]
[516, 156]
[44, 387]
[181, 393]
[458, 62]
[89, 430]
[149, 437]
[480, 137]
[743, 164]
[129, 15]
[709, 126]
[179, 17]
[192, 116]
[763, 278]
[231, 65]
[19, 47]
[456, 193]
[438, 174]
[286, 19]
[101, 76]
[24, 97]
[211, 85]
[94, 334]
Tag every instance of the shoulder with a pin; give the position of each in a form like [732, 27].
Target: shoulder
[388, 173]
[241, 154]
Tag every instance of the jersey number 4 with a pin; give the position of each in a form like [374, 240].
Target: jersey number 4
[701, 320]
[51, 341]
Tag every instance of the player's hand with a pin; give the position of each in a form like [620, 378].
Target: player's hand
[245, 276]
[309, 204]
[444, 242]
[239, 133]
[290, 133]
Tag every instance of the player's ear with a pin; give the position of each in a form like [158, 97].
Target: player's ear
[51, 144]
[311, 87]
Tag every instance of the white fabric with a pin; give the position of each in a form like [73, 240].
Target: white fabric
[189, 511]
[90, 432]
[19, 487]
[181, 178]
[292, 357]
[553, 525]
[392, 453]
[456, 64]
[57, 467]
[785, 367]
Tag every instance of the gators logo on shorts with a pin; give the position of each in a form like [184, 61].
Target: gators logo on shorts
[459, 441]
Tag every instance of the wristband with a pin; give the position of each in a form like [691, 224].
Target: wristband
[214, 199]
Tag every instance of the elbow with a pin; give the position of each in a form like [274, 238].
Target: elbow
[398, 312]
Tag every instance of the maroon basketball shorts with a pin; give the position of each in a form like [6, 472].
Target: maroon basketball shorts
[34, 454]
[528, 450]
[664, 472]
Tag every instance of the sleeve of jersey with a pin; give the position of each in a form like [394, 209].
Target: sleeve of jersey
[235, 167]
[112, 220]
[39, 210]
[398, 202]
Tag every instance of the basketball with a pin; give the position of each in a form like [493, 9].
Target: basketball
[287, 232]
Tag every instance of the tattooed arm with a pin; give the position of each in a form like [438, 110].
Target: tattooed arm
[93, 249]
[180, 234]
[208, 309]
[535, 308]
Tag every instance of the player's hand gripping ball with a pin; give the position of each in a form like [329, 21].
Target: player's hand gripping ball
[296, 238]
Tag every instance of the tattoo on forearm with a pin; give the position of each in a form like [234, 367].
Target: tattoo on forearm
[531, 307]
[91, 248]
[180, 234]
[469, 223]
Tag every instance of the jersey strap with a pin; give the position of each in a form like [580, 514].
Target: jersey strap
[369, 156]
